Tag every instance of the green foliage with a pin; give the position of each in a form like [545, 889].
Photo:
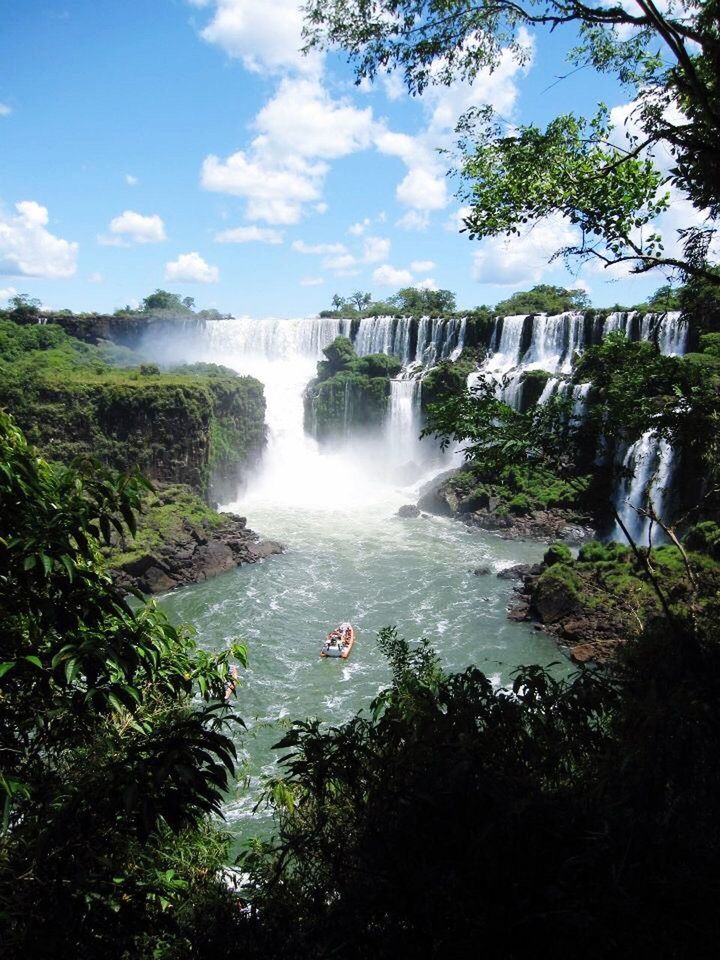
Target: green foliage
[72, 399]
[417, 302]
[350, 392]
[165, 515]
[574, 168]
[704, 537]
[577, 813]
[448, 378]
[113, 726]
[557, 553]
[543, 298]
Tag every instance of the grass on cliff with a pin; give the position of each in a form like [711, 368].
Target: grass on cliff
[518, 490]
[608, 580]
[168, 515]
[75, 399]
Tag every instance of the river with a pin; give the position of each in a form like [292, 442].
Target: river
[348, 557]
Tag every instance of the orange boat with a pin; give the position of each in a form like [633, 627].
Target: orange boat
[339, 642]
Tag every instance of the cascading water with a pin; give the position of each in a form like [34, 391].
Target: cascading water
[522, 344]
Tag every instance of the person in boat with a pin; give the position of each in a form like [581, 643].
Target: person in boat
[345, 629]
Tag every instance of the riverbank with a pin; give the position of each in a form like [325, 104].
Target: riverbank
[180, 540]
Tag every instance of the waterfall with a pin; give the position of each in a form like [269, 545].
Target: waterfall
[283, 354]
[402, 427]
[648, 465]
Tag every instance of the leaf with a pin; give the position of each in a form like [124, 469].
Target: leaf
[6, 667]
[31, 658]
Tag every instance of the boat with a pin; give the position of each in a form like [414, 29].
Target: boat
[339, 642]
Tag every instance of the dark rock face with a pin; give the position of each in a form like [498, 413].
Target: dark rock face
[483, 571]
[408, 510]
[194, 555]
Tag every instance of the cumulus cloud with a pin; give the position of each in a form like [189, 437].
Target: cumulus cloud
[311, 281]
[522, 259]
[250, 234]
[267, 37]
[299, 246]
[428, 283]
[422, 266]
[375, 249]
[132, 227]
[283, 169]
[191, 268]
[6, 293]
[28, 249]
[130, 180]
[5, 110]
[95, 278]
[357, 229]
[387, 276]
[414, 220]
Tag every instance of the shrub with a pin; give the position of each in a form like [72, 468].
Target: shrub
[557, 553]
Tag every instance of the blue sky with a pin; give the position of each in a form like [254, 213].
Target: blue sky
[186, 144]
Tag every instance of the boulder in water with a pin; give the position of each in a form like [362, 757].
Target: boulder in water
[483, 571]
[408, 510]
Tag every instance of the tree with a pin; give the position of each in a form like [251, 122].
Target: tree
[416, 301]
[338, 302]
[578, 814]
[543, 298]
[610, 187]
[162, 300]
[24, 308]
[114, 742]
[360, 299]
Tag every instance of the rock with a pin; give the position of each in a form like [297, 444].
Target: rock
[516, 572]
[553, 601]
[214, 557]
[155, 580]
[519, 612]
[409, 510]
[266, 548]
[582, 653]
[436, 497]
[483, 571]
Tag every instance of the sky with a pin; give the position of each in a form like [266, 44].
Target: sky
[189, 145]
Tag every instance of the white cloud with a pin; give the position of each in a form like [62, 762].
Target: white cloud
[422, 266]
[304, 118]
[311, 281]
[267, 37]
[344, 264]
[95, 278]
[393, 85]
[375, 249]
[276, 195]
[6, 293]
[522, 259]
[456, 221]
[132, 227]
[388, 276]
[414, 220]
[250, 234]
[130, 180]
[299, 246]
[5, 110]
[427, 284]
[191, 268]
[28, 249]
[357, 229]
[283, 169]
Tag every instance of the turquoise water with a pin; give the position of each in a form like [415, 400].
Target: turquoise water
[349, 557]
[374, 569]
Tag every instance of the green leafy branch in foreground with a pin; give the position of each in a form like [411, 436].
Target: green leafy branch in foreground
[113, 724]
[577, 813]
